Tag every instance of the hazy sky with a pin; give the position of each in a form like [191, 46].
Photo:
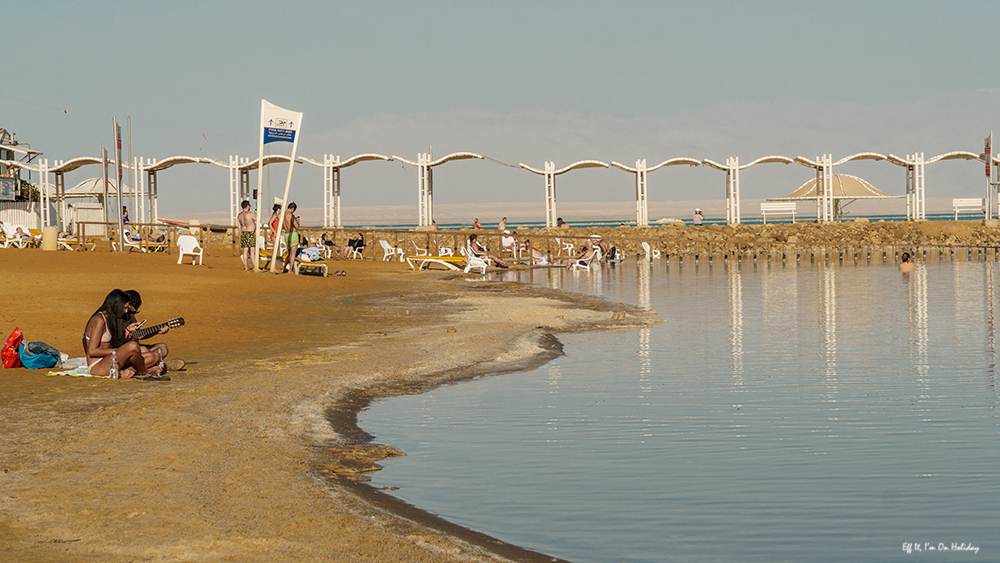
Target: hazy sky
[517, 81]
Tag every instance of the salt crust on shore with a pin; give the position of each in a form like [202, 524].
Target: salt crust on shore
[239, 457]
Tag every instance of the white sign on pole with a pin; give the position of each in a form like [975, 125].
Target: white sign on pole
[277, 124]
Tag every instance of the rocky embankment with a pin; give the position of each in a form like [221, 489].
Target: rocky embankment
[858, 236]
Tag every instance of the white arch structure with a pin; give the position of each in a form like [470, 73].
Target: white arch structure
[239, 180]
[732, 169]
[640, 171]
[550, 174]
[145, 194]
[425, 181]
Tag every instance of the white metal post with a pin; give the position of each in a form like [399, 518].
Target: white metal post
[919, 191]
[430, 192]
[995, 183]
[737, 218]
[140, 181]
[732, 190]
[423, 161]
[61, 195]
[910, 171]
[550, 194]
[641, 201]
[336, 196]
[43, 179]
[154, 191]
[234, 167]
[827, 187]
[327, 190]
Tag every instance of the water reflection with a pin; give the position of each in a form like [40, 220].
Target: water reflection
[828, 293]
[780, 297]
[990, 272]
[735, 319]
[918, 318]
[643, 268]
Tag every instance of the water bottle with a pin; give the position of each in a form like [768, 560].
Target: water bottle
[114, 365]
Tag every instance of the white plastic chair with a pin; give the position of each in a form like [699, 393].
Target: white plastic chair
[595, 257]
[472, 261]
[444, 250]
[187, 245]
[390, 251]
[567, 246]
[655, 253]
[417, 251]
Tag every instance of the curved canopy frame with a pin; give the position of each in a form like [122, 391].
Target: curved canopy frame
[145, 184]
[641, 191]
[332, 166]
[550, 173]
[425, 181]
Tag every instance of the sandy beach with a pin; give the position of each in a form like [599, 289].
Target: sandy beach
[250, 453]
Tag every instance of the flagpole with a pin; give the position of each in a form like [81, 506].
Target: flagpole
[260, 180]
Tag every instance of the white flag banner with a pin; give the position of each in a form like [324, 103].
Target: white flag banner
[278, 124]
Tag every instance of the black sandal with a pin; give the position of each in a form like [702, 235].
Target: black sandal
[152, 377]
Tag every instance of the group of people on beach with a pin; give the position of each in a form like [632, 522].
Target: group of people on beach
[298, 247]
[111, 335]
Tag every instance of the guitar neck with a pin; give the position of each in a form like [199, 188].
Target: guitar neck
[146, 332]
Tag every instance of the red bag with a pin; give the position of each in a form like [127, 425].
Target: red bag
[9, 353]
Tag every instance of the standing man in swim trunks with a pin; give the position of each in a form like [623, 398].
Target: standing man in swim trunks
[291, 225]
[247, 220]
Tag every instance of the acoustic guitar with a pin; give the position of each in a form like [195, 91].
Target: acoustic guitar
[148, 331]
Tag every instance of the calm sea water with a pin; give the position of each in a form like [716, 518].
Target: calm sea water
[631, 221]
[782, 413]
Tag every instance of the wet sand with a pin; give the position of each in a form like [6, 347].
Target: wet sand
[251, 452]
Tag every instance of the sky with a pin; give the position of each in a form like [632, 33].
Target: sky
[520, 82]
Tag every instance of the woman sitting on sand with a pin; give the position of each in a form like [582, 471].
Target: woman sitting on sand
[106, 333]
[478, 251]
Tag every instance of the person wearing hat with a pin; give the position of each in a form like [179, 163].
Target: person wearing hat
[698, 216]
[608, 250]
[508, 243]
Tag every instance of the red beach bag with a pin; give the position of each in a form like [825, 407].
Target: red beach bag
[9, 353]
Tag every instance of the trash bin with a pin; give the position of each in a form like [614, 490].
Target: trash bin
[49, 237]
